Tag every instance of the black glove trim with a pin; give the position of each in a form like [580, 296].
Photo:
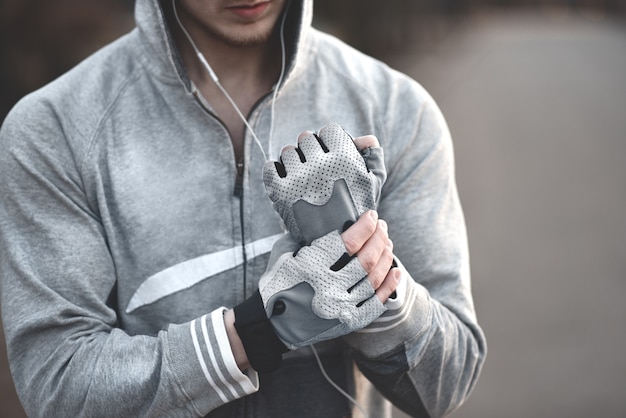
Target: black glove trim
[263, 348]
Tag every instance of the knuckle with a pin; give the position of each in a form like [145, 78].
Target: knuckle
[376, 279]
[286, 149]
[372, 140]
[366, 141]
[370, 228]
[351, 245]
[368, 264]
[388, 254]
[304, 134]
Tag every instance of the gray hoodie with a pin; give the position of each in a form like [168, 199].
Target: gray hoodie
[125, 232]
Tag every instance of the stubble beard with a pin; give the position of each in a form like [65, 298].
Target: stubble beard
[244, 40]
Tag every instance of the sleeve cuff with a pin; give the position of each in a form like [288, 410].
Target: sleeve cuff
[407, 316]
[202, 359]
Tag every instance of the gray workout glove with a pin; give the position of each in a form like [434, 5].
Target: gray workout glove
[320, 292]
[324, 183]
[316, 294]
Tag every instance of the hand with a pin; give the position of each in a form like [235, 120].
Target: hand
[368, 239]
[325, 182]
[329, 289]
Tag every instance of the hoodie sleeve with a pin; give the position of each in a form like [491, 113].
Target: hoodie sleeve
[68, 354]
[426, 352]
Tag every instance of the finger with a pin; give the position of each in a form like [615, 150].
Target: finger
[357, 235]
[334, 137]
[366, 141]
[310, 145]
[389, 285]
[290, 158]
[380, 269]
[304, 134]
[372, 249]
[376, 257]
[273, 171]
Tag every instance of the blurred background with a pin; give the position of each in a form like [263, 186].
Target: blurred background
[535, 96]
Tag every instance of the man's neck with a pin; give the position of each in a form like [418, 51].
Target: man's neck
[250, 68]
[246, 73]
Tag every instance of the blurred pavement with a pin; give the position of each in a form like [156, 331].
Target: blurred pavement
[537, 108]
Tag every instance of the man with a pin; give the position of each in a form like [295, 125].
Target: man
[134, 218]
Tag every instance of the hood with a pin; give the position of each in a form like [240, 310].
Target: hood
[153, 28]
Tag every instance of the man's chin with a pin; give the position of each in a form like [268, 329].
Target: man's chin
[246, 40]
[246, 43]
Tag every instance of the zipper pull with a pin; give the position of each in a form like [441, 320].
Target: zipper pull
[239, 180]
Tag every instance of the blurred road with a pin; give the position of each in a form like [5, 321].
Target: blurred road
[537, 107]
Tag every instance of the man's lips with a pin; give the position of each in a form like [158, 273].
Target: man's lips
[249, 11]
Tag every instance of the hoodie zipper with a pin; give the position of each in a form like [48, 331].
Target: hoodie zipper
[239, 165]
[238, 188]
[237, 192]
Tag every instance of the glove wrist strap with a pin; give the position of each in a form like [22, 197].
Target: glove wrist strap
[262, 346]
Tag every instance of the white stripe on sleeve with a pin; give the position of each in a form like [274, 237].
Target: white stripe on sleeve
[249, 382]
[208, 377]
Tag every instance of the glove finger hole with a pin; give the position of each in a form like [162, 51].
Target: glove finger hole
[291, 158]
[301, 155]
[322, 144]
[342, 262]
[336, 137]
[373, 305]
[280, 169]
[351, 288]
[310, 146]
[363, 302]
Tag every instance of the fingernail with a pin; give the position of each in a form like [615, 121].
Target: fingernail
[374, 215]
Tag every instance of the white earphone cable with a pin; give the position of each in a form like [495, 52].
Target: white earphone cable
[214, 77]
[336, 386]
[280, 78]
[256, 139]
